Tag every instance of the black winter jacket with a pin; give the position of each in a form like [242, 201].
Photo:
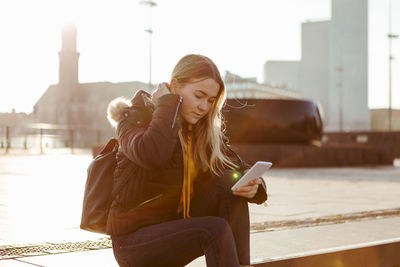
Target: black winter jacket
[150, 164]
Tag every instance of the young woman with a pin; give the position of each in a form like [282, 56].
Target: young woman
[176, 203]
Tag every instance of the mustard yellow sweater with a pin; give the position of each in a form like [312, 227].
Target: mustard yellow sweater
[190, 173]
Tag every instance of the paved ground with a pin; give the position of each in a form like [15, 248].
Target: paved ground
[41, 197]
[316, 192]
[40, 201]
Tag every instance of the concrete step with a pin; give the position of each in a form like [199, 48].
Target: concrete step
[271, 245]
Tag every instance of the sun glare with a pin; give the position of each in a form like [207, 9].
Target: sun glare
[114, 46]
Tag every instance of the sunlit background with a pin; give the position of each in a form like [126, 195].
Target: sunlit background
[240, 36]
[350, 165]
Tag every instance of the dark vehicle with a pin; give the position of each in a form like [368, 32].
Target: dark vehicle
[250, 121]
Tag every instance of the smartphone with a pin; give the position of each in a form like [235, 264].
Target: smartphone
[256, 171]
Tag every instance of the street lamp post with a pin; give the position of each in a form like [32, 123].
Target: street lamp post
[149, 30]
[391, 58]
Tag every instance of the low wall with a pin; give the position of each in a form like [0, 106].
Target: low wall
[291, 155]
[385, 140]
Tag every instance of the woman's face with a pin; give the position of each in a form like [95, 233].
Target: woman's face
[198, 98]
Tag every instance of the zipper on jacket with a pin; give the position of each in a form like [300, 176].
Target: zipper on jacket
[176, 112]
[147, 201]
[183, 159]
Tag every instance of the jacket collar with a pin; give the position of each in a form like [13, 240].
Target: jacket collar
[142, 99]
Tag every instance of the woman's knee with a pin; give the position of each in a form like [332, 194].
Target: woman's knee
[218, 226]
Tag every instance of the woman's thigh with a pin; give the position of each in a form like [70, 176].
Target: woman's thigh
[173, 243]
[213, 197]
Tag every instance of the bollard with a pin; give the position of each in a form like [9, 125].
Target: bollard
[41, 141]
[98, 136]
[71, 139]
[25, 143]
[8, 143]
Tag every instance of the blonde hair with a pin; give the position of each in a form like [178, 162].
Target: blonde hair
[207, 143]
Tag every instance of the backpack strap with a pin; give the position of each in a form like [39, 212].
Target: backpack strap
[110, 146]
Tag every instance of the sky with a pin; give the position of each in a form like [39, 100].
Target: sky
[239, 35]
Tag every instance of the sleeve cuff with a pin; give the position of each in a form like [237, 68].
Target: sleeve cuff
[261, 195]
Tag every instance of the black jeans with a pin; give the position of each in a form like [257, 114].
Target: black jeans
[219, 228]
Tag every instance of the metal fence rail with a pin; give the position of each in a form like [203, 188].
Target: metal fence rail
[42, 137]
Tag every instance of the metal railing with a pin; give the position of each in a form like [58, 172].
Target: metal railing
[41, 137]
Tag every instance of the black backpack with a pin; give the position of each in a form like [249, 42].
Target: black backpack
[99, 191]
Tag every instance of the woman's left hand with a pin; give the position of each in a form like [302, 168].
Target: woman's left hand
[162, 89]
[248, 190]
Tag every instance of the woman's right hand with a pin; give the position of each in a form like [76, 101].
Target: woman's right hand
[162, 89]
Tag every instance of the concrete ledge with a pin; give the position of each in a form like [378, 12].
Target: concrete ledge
[380, 253]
